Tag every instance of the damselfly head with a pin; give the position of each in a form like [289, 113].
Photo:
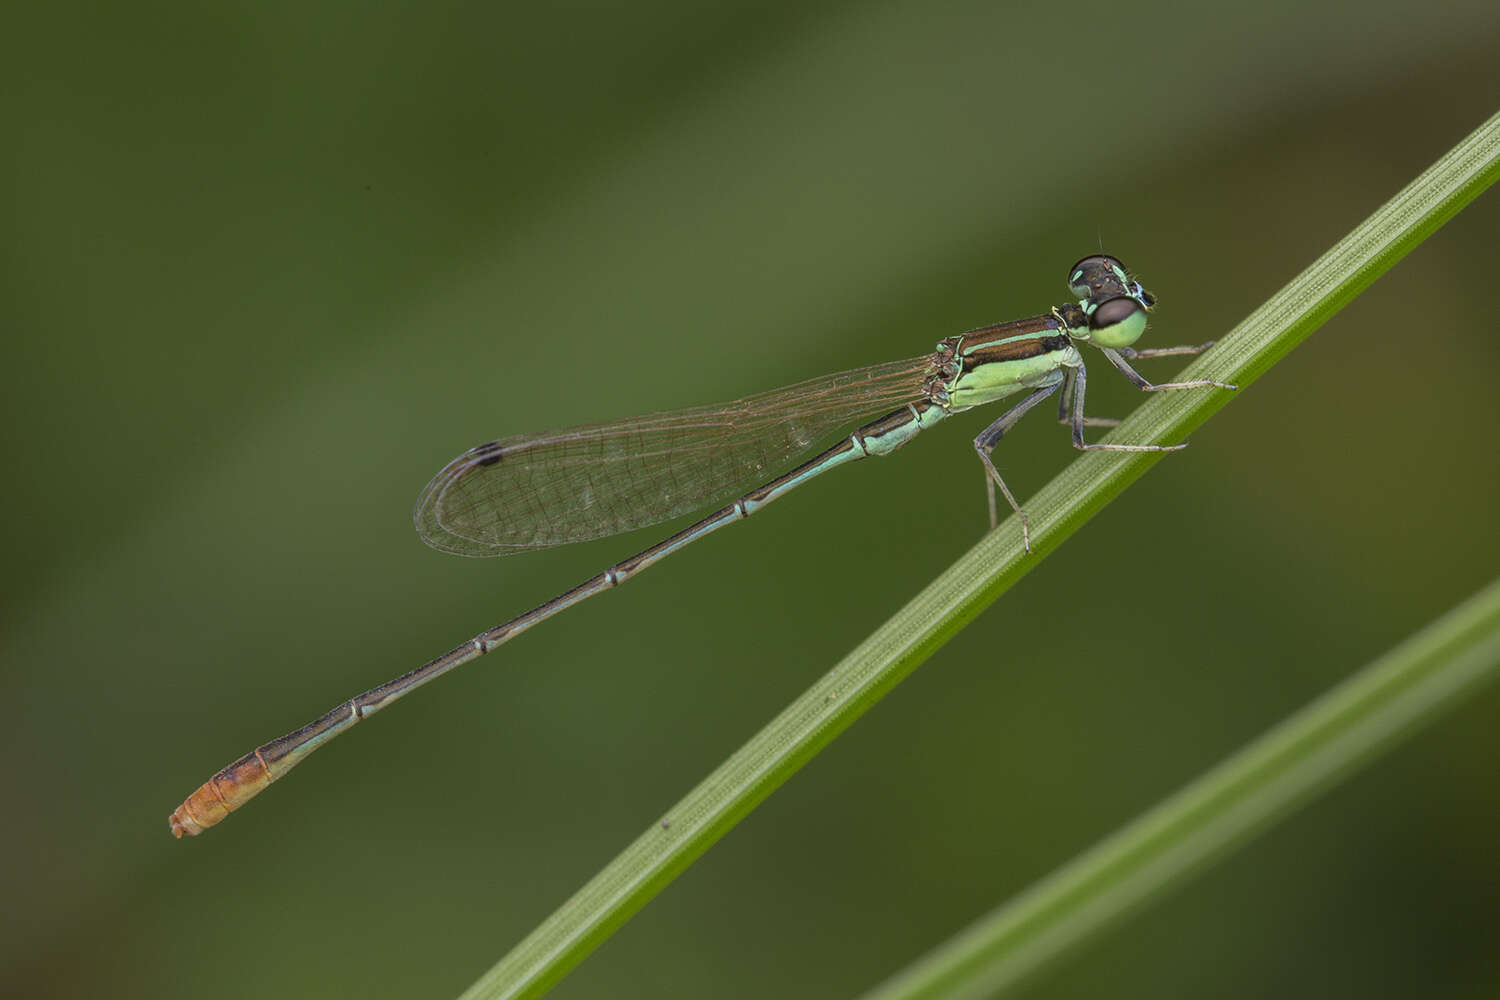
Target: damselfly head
[1099, 277]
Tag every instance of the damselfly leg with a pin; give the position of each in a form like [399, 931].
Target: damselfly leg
[1074, 382]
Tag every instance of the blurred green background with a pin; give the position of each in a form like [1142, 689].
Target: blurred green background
[269, 266]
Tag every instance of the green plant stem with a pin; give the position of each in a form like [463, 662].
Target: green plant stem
[983, 574]
[1389, 700]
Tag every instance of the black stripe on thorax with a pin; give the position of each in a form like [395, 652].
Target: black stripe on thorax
[1016, 350]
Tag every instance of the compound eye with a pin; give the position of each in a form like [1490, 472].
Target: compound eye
[1117, 322]
[1095, 274]
[1113, 311]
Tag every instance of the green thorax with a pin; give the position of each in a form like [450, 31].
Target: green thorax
[996, 361]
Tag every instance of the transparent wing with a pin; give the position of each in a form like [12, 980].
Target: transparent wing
[536, 491]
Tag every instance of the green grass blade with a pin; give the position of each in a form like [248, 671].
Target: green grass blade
[983, 574]
[1287, 767]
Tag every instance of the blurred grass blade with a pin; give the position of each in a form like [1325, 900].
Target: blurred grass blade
[1389, 700]
[983, 574]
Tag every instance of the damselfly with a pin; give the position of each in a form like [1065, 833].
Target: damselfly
[522, 493]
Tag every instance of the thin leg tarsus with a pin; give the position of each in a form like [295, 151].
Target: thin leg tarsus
[1080, 380]
[1163, 352]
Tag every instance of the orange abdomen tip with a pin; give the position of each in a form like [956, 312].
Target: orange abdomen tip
[220, 795]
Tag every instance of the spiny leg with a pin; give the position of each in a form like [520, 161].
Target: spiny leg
[1117, 358]
[1080, 382]
[985, 443]
[1162, 352]
[1065, 408]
